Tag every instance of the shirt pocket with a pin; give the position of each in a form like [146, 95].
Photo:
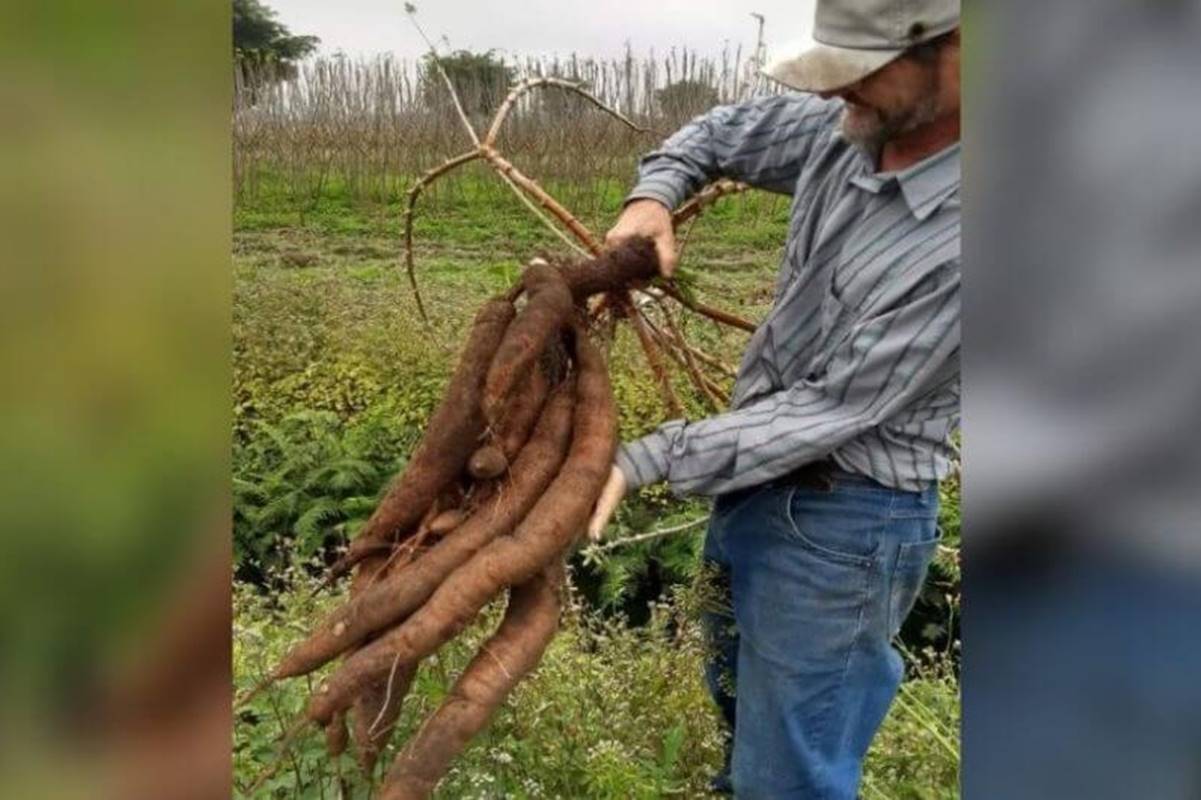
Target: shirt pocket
[837, 316]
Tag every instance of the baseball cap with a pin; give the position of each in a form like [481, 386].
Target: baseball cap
[853, 38]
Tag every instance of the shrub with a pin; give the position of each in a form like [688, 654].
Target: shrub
[305, 484]
[614, 711]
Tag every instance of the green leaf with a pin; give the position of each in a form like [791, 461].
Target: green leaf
[310, 525]
[673, 741]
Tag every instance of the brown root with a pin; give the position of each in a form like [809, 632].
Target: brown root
[547, 310]
[548, 531]
[529, 624]
[449, 440]
[632, 262]
[374, 715]
[487, 463]
[447, 521]
[335, 736]
[522, 413]
[391, 599]
[369, 703]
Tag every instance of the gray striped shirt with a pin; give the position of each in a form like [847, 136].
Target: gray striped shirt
[858, 359]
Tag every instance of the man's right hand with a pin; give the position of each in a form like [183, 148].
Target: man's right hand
[651, 219]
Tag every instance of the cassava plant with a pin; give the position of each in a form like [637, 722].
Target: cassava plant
[458, 527]
[498, 489]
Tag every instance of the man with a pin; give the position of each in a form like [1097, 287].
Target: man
[825, 469]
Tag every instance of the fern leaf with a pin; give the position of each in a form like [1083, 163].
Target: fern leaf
[244, 489]
[312, 522]
[358, 506]
[280, 510]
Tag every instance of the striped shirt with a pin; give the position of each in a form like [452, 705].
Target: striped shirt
[858, 359]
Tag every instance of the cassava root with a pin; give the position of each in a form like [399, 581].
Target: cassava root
[449, 440]
[543, 535]
[529, 624]
[492, 501]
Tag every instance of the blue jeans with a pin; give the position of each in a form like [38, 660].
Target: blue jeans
[820, 580]
[1083, 673]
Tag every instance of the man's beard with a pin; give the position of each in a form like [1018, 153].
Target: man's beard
[871, 128]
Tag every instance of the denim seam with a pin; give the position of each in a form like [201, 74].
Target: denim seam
[891, 581]
[856, 646]
[866, 566]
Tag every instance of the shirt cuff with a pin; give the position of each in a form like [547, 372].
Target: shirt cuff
[645, 461]
[668, 189]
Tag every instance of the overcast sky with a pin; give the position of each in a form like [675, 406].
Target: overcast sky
[535, 27]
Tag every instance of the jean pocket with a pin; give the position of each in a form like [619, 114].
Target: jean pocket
[842, 530]
[908, 577]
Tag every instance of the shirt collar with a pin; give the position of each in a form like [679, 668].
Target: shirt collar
[925, 185]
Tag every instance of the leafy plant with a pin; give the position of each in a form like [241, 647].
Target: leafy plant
[302, 486]
[480, 79]
[331, 363]
[614, 711]
[261, 39]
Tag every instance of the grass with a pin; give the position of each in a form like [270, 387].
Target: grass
[614, 712]
[296, 329]
[333, 378]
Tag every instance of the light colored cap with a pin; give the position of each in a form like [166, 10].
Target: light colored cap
[854, 38]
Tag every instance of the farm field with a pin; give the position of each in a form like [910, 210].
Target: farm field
[334, 375]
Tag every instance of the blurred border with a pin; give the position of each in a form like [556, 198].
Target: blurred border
[1082, 397]
[115, 211]
[1081, 387]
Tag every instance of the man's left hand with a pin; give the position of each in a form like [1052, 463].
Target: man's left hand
[610, 497]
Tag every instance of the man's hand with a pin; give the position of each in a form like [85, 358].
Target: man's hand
[651, 219]
[606, 504]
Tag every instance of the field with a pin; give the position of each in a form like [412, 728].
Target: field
[334, 375]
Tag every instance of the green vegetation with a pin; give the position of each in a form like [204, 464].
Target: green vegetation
[481, 81]
[334, 375]
[259, 38]
[614, 711]
[370, 125]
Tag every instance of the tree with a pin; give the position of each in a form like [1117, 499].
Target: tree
[557, 105]
[686, 98]
[259, 38]
[480, 79]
